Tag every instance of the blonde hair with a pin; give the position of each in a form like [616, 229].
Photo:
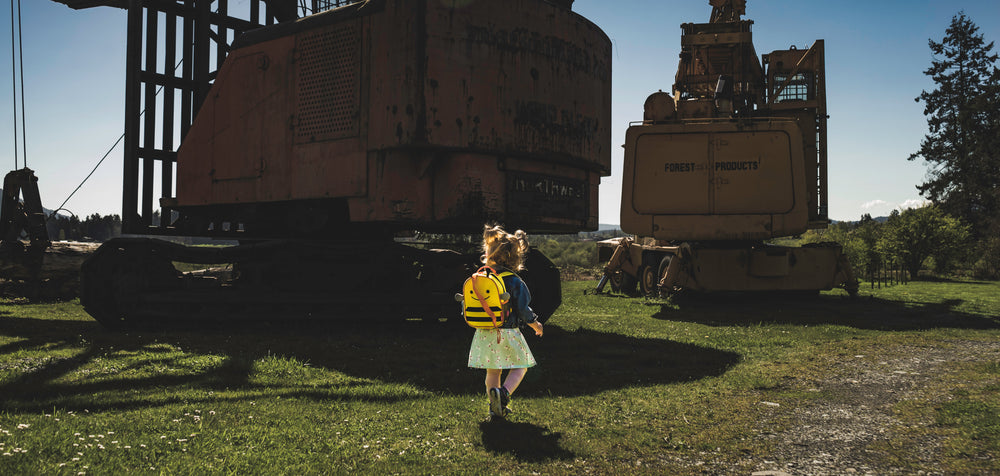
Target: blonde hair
[504, 249]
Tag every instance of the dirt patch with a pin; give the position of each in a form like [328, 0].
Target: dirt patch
[851, 423]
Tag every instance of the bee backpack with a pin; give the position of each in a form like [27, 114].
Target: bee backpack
[485, 299]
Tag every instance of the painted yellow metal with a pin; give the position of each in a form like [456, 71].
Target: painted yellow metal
[714, 180]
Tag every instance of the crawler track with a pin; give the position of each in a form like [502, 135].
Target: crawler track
[134, 281]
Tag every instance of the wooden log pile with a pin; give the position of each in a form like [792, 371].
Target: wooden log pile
[58, 277]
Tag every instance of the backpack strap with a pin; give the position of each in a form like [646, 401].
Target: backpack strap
[486, 270]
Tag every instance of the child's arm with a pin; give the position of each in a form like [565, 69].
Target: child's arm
[522, 300]
[537, 326]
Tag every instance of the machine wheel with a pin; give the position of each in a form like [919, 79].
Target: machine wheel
[628, 286]
[615, 279]
[648, 280]
[543, 280]
[113, 279]
[661, 270]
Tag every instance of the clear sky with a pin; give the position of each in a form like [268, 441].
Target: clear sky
[876, 52]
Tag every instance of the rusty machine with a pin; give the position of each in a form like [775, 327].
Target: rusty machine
[736, 155]
[315, 141]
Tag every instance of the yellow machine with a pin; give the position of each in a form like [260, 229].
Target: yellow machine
[736, 155]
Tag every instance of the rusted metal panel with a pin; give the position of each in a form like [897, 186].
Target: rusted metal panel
[517, 77]
[419, 114]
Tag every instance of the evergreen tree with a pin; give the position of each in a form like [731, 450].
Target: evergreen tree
[963, 148]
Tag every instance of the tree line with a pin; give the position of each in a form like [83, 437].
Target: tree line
[917, 240]
[95, 227]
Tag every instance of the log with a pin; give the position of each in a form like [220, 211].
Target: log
[57, 277]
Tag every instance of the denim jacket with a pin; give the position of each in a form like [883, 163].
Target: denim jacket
[520, 298]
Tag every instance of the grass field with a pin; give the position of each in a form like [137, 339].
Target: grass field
[623, 385]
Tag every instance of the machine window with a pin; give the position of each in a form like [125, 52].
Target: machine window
[798, 88]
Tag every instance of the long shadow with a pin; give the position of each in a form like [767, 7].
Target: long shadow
[526, 442]
[427, 356]
[861, 312]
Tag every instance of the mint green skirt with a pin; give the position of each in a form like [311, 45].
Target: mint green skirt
[511, 352]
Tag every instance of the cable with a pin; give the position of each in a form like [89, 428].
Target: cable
[13, 79]
[20, 53]
[106, 154]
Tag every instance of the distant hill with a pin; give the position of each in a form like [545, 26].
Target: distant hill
[878, 219]
[45, 210]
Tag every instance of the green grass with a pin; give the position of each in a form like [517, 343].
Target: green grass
[623, 385]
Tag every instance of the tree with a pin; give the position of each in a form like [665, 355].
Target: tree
[861, 246]
[919, 233]
[962, 147]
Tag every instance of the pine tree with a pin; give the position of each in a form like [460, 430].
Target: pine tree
[962, 148]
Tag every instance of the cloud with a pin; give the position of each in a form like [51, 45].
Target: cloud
[913, 203]
[873, 204]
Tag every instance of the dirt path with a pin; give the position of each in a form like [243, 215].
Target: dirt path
[850, 427]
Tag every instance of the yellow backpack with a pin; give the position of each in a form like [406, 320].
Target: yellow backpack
[485, 299]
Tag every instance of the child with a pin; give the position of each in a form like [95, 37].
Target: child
[509, 350]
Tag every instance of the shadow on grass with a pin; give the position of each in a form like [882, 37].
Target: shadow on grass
[418, 357]
[526, 442]
[863, 312]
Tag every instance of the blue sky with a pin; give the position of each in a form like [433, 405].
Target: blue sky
[876, 52]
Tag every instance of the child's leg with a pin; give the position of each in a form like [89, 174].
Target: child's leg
[492, 379]
[514, 379]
